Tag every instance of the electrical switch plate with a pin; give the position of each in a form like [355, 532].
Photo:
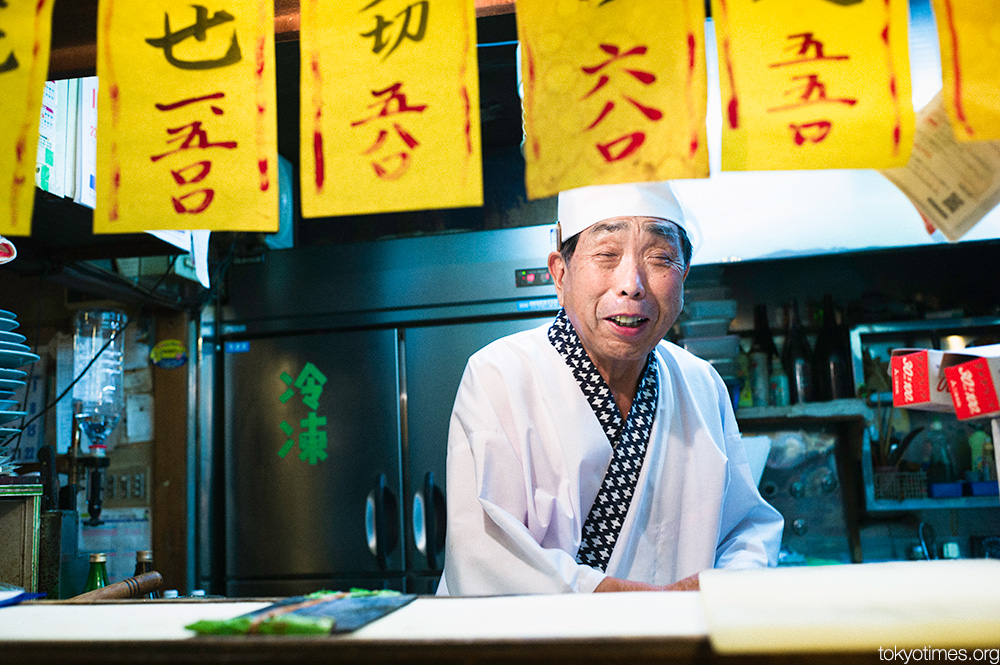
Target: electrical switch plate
[127, 486]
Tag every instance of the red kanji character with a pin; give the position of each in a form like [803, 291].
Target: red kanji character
[384, 173]
[821, 131]
[181, 179]
[643, 77]
[207, 196]
[622, 147]
[196, 138]
[635, 139]
[381, 166]
[808, 44]
[191, 100]
[813, 91]
[394, 98]
[383, 135]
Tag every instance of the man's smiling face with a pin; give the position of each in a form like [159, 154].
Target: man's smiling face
[622, 289]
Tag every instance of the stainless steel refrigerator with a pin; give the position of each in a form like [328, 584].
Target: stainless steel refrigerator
[335, 409]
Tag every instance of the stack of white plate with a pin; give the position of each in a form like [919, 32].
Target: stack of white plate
[13, 354]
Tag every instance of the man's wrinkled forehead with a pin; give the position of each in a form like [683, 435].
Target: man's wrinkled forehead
[663, 228]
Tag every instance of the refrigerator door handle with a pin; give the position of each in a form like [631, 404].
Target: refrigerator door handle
[429, 521]
[381, 517]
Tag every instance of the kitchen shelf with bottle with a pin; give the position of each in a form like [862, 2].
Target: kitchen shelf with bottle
[898, 488]
[912, 490]
[858, 414]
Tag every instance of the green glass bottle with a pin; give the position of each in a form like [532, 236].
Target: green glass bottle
[97, 577]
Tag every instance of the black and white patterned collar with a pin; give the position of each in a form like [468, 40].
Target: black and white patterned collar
[566, 342]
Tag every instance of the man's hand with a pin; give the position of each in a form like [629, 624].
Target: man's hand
[609, 584]
[689, 583]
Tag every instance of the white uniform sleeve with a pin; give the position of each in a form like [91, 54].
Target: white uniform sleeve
[749, 527]
[494, 527]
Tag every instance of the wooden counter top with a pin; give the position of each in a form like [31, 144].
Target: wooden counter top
[826, 614]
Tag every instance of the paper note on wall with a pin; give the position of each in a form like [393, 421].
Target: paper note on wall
[86, 143]
[389, 106]
[48, 174]
[969, 35]
[952, 184]
[188, 124]
[819, 84]
[612, 92]
[25, 34]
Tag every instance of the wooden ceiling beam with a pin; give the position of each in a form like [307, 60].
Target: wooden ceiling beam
[74, 32]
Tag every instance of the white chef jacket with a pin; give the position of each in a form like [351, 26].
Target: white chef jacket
[527, 456]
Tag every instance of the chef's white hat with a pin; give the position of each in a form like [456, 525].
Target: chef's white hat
[584, 206]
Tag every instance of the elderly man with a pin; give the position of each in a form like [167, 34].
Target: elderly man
[589, 454]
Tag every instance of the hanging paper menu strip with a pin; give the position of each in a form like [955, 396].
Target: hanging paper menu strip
[813, 85]
[390, 106]
[968, 34]
[952, 184]
[612, 92]
[186, 109]
[25, 39]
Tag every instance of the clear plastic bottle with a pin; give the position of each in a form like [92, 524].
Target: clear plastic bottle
[98, 394]
[942, 461]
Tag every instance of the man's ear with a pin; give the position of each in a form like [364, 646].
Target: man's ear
[557, 269]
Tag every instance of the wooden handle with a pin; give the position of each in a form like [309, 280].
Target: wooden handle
[133, 587]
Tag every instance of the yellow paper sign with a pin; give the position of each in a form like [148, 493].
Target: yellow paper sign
[390, 106]
[816, 84]
[25, 34]
[613, 92]
[187, 125]
[969, 35]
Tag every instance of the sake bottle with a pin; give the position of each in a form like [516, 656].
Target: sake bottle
[97, 576]
[796, 357]
[762, 350]
[831, 370]
[144, 564]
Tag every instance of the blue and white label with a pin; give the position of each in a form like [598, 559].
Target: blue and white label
[542, 304]
[237, 347]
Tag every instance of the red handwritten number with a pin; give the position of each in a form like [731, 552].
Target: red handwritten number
[192, 136]
[814, 132]
[626, 145]
[809, 50]
[393, 102]
[812, 91]
[809, 88]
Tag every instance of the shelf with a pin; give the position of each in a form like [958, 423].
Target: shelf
[959, 502]
[921, 503]
[838, 409]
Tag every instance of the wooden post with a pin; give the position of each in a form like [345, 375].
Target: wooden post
[170, 434]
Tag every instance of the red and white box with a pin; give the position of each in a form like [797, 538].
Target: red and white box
[973, 383]
[917, 381]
